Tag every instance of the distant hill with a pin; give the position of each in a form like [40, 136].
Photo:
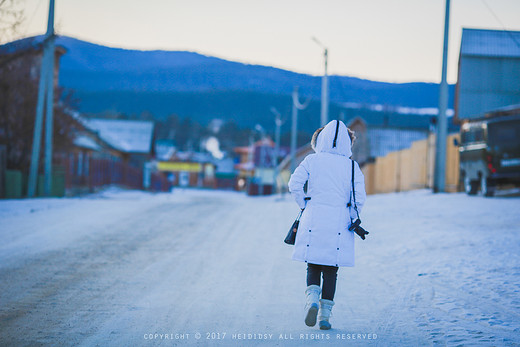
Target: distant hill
[193, 85]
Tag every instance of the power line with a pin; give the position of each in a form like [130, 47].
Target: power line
[32, 17]
[502, 24]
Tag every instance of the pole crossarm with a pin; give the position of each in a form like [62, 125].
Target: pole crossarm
[296, 101]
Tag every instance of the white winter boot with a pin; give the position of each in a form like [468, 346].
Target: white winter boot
[324, 314]
[311, 307]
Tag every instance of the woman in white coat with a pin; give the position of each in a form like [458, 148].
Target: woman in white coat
[323, 240]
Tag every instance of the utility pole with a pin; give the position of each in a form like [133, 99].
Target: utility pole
[274, 159]
[49, 121]
[439, 178]
[324, 86]
[250, 161]
[45, 89]
[261, 164]
[294, 126]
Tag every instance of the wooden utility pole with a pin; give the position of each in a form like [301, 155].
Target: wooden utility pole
[45, 91]
[439, 178]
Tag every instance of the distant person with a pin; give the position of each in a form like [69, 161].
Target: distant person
[323, 240]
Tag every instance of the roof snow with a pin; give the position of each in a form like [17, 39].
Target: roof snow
[125, 135]
[86, 142]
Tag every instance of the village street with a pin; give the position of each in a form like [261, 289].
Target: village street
[129, 268]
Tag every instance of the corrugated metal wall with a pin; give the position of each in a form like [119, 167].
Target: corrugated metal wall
[385, 140]
[487, 83]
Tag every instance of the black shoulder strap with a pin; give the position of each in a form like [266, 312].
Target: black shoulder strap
[353, 189]
[353, 192]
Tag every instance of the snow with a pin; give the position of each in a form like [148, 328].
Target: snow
[405, 110]
[125, 135]
[118, 267]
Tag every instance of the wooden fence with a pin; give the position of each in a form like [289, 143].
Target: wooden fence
[412, 168]
[87, 174]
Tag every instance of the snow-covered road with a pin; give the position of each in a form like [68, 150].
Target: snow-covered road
[210, 268]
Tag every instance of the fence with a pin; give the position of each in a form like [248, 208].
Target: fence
[106, 171]
[15, 184]
[84, 173]
[412, 168]
[404, 170]
[74, 174]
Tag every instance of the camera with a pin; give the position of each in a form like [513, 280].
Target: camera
[356, 227]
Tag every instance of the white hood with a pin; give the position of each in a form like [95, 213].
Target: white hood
[337, 130]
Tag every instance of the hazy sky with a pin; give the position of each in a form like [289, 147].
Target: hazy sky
[385, 40]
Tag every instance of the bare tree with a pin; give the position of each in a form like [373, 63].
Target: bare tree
[18, 95]
[11, 17]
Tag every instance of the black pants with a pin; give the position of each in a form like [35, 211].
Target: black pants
[330, 274]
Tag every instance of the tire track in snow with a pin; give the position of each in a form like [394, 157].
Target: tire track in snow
[75, 283]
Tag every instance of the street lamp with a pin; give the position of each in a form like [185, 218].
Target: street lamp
[278, 122]
[324, 86]
[294, 126]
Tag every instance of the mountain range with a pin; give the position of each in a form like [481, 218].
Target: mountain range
[114, 80]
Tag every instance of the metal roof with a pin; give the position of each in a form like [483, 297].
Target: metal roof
[34, 42]
[129, 136]
[490, 43]
[27, 44]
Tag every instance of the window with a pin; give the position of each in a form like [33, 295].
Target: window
[474, 134]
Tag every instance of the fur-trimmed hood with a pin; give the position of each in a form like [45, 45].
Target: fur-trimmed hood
[334, 138]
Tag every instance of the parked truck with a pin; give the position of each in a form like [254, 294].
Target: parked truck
[490, 152]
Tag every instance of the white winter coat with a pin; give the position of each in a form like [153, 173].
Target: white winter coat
[323, 236]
